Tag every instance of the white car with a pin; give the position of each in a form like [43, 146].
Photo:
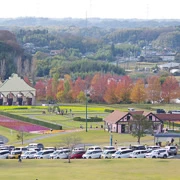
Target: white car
[106, 154]
[108, 148]
[28, 155]
[151, 148]
[138, 154]
[4, 154]
[94, 148]
[44, 154]
[125, 153]
[60, 154]
[92, 154]
[159, 153]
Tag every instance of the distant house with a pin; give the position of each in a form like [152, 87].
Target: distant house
[169, 66]
[168, 57]
[119, 122]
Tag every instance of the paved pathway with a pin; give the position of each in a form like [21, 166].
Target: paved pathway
[43, 136]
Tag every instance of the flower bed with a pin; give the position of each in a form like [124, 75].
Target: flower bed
[20, 125]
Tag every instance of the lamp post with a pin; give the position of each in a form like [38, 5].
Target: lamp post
[111, 138]
[86, 109]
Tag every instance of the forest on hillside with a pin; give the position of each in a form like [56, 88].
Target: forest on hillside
[39, 47]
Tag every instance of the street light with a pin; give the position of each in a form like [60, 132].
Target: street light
[111, 138]
[86, 108]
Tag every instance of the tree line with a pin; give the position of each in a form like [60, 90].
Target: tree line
[108, 88]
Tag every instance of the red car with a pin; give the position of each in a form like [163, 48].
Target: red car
[77, 154]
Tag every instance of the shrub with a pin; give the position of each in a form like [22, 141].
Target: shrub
[91, 119]
[109, 110]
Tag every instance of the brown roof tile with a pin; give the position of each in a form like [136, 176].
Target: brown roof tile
[168, 117]
[115, 116]
[136, 112]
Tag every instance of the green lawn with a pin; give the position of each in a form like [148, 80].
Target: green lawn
[115, 169]
[96, 137]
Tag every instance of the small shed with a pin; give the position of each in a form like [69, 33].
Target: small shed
[166, 136]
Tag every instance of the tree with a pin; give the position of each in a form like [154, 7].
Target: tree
[49, 90]
[40, 90]
[154, 89]
[139, 125]
[109, 95]
[138, 93]
[71, 141]
[79, 86]
[26, 79]
[170, 89]
[98, 87]
[123, 89]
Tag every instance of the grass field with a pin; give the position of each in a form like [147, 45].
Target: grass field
[120, 169]
[115, 169]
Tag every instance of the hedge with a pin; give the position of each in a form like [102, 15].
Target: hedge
[109, 110]
[91, 119]
[32, 121]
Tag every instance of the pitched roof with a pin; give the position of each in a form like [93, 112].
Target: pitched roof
[168, 117]
[16, 85]
[136, 113]
[115, 116]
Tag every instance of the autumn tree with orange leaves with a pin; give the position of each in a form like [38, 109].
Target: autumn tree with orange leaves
[170, 89]
[154, 89]
[123, 89]
[109, 95]
[98, 87]
[138, 93]
[78, 89]
[40, 87]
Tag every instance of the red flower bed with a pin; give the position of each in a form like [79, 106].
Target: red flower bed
[20, 125]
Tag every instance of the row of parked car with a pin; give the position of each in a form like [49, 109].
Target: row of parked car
[93, 152]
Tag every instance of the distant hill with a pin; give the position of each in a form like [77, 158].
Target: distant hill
[98, 22]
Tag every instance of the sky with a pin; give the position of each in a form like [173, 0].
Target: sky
[119, 9]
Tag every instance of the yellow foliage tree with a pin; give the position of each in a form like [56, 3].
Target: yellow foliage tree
[138, 93]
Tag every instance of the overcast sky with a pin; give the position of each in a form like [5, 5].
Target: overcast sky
[123, 9]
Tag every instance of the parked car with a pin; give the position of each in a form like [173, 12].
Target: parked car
[60, 154]
[44, 154]
[138, 147]
[159, 153]
[14, 154]
[1, 143]
[94, 148]
[9, 147]
[172, 150]
[122, 153]
[4, 154]
[138, 154]
[79, 149]
[106, 154]
[108, 148]
[93, 154]
[77, 154]
[50, 148]
[62, 148]
[151, 148]
[40, 146]
[28, 155]
[22, 149]
[121, 148]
